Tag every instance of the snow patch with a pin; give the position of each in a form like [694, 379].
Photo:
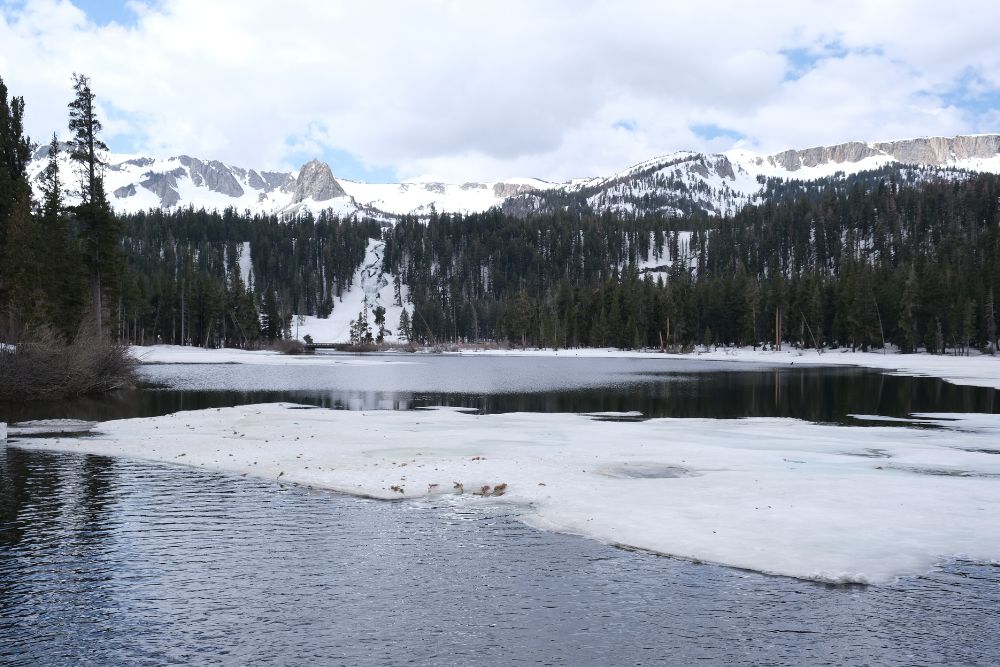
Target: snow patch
[370, 283]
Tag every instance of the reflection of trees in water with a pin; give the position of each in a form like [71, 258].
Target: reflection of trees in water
[814, 394]
[58, 494]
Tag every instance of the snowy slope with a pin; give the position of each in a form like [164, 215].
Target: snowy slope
[370, 284]
[677, 183]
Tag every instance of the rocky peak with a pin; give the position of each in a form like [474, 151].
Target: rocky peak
[316, 182]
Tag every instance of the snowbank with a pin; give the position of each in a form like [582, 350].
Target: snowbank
[179, 354]
[821, 502]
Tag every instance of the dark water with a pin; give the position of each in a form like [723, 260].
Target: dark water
[656, 388]
[110, 562]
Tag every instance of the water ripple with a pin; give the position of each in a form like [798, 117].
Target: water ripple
[105, 561]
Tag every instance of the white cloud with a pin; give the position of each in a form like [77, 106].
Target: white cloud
[471, 90]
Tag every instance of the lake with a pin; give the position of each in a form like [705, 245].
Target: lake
[120, 562]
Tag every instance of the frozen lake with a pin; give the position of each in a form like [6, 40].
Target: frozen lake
[129, 562]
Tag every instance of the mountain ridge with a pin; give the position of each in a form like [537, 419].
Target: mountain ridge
[675, 183]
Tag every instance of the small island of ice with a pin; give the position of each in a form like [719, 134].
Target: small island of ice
[822, 502]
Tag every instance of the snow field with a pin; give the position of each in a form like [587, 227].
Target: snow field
[829, 503]
[370, 283]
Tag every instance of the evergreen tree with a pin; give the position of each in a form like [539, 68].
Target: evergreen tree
[907, 312]
[100, 228]
[378, 313]
[62, 271]
[15, 209]
[404, 331]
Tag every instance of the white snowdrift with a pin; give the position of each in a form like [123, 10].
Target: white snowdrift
[821, 502]
[180, 354]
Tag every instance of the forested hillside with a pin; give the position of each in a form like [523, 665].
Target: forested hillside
[858, 263]
[224, 279]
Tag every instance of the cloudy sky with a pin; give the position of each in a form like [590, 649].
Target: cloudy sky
[477, 90]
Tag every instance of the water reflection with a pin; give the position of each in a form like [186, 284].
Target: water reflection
[507, 384]
[117, 562]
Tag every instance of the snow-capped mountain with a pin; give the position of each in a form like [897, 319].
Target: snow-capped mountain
[678, 183]
[722, 183]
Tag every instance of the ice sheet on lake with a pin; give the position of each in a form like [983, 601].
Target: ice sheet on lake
[773, 495]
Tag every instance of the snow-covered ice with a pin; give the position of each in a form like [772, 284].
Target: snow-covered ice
[823, 502]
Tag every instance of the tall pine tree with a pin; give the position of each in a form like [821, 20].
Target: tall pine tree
[100, 229]
[15, 200]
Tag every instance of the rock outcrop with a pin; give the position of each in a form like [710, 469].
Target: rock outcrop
[125, 191]
[164, 186]
[504, 190]
[316, 182]
[214, 175]
[852, 151]
[929, 151]
[938, 151]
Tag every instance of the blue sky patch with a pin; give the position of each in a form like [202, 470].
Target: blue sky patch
[103, 12]
[709, 131]
[972, 93]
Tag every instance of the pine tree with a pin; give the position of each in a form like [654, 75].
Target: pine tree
[378, 312]
[15, 201]
[907, 312]
[404, 331]
[62, 271]
[101, 230]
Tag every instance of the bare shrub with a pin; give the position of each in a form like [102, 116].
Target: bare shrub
[289, 346]
[42, 365]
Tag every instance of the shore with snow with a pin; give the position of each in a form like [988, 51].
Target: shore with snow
[977, 370]
[829, 503]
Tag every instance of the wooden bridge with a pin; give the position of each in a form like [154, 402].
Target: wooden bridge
[312, 347]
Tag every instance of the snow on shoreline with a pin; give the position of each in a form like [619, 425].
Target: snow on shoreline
[976, 371]
[822, 502]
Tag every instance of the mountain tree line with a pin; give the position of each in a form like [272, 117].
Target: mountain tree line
[860, 263]
[230, 279]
